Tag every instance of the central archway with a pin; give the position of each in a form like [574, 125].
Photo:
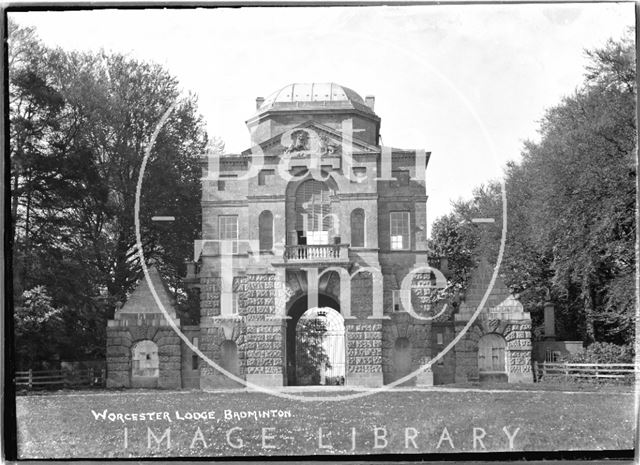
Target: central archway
[316, 343]
[320, 348]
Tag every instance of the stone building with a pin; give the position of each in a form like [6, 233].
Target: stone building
[319, 220]
[142, 349]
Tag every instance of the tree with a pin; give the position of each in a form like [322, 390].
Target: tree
[35, 111]
[586, 157]
[311, 355]
[80, 125]
[571, 208]
[39, 328]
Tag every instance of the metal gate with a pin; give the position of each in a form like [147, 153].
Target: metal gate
[320, 348]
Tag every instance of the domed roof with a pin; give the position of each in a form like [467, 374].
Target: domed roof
[316, 93]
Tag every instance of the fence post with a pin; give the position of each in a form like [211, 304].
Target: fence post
[597, 372]
[30, 379]
[566, 372]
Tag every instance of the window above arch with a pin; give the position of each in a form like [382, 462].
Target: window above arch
[313, 211]
[399, 229]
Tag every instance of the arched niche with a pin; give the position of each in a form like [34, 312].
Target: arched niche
[401, 358]
[229, 359]
[145, 364]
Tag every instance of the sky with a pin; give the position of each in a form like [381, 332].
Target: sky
[468, 83]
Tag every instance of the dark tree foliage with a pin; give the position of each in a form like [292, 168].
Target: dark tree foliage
[571, 209]
[80, 124]
[39, 328]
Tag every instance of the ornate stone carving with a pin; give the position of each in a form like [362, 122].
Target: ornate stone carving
[299, 142]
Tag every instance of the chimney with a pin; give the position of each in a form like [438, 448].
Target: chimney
[370, 100]
[259, 101]
[549, 321]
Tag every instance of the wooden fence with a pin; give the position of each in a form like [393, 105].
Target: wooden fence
[35, 379]
[588, 371]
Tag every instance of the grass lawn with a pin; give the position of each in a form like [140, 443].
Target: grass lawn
[201, 424]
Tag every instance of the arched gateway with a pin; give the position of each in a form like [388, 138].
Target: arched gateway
[316, 343]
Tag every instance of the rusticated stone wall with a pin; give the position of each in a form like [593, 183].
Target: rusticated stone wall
[264, 344]
[123, 334]
[211, 340]
[209, 296]
[418, 332]
[260, 339]
[517, 334]
[119, 343]
[265, 337]
[257, 296]
[364, 352]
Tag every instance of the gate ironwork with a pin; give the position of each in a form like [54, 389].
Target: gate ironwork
[320, 348]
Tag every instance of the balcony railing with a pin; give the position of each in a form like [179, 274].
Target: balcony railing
[317, 253]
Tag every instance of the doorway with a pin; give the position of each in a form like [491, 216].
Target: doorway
[320, 348]
[316, 344]
[145, 366]
[492, 358]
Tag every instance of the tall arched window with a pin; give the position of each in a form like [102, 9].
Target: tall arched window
[265, 226]
[313, 212]
[357, 228]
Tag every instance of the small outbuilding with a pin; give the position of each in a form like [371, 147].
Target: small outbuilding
[143, 351]
[497, 347]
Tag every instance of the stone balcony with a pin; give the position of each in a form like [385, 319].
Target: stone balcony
[329, 254]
